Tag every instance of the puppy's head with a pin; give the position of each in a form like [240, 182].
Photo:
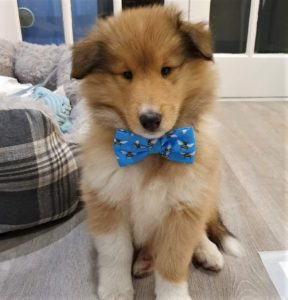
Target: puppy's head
[146, 70]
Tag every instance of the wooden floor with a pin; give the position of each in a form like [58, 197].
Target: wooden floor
[58, 261]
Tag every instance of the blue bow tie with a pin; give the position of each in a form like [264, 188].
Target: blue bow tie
[177, 145]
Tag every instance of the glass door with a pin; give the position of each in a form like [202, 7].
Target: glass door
[251, 45]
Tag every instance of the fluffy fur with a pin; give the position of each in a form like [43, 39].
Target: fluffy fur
[164, 208]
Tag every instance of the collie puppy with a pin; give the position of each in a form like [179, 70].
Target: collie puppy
[148, 72]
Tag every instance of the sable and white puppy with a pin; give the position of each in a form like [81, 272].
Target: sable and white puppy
[149, 71]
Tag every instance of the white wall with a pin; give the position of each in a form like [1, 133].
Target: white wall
[9, 21]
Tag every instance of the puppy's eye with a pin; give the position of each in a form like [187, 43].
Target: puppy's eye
[165, 71]
[128, 75]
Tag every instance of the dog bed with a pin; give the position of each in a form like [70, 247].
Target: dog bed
[39, 172]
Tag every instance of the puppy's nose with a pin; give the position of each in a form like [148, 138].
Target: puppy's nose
[150, 120]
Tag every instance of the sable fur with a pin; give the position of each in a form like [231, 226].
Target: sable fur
[165, 207]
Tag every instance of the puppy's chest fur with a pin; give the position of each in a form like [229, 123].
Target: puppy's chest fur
[147, 191]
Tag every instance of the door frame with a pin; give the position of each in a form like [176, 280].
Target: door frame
[9, 21]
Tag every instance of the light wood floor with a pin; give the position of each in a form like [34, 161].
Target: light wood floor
[58, 261]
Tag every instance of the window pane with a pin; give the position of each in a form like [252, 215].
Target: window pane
[229, 20]
[84, 15]
[272, 28]
[41, 21]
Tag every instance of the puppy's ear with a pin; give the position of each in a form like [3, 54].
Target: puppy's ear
[197, 40]
[88, 55]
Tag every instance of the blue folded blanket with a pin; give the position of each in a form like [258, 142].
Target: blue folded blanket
[59, 105]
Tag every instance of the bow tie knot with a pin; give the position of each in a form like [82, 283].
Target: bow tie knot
[177, 145]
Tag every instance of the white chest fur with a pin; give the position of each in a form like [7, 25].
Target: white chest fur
[148, 201]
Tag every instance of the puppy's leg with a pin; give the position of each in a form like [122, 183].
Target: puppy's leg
[114, 263]
[113, 243]
[207, 255]
[174, 244]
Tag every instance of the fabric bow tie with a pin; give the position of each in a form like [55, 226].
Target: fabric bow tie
[177, 145]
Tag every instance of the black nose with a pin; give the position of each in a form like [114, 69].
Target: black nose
[150, 120]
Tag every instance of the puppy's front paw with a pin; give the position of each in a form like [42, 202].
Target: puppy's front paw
[114, 294]
[167, 290]
[117, 286]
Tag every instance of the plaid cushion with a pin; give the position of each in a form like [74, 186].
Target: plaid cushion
[38, 170]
